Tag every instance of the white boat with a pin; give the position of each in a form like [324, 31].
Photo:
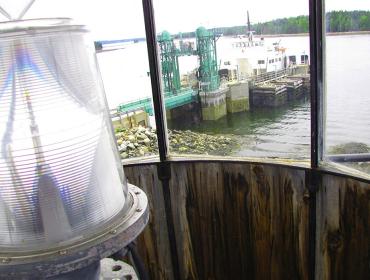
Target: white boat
[250, 57]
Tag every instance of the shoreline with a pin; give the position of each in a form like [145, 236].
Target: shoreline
[307, 34]
[349, 33]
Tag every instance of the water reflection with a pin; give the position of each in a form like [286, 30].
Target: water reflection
[274, 132]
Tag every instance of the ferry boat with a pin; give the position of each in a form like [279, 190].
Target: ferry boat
[251, 56]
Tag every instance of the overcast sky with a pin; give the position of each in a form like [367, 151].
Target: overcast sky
[117, 19]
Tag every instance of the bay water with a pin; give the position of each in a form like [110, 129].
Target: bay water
[274, 132]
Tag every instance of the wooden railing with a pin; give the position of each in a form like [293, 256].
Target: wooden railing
[272, 75]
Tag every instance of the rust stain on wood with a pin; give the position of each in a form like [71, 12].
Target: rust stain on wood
[250, 221]
[153, 244]
[232, 221]
[343, 229]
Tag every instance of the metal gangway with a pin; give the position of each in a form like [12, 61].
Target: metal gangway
[171, 100]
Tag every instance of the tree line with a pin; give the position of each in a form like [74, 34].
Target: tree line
[341, 21]
[336, 21]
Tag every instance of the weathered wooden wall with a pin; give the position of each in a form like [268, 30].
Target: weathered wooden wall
[343, 229]
[153, 243]
[232, 221]
[250, 221]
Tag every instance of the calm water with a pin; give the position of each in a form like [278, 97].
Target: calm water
[282, 132]
[348, 88]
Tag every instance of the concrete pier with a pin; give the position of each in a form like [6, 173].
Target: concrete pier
[129, 120]
[268, 95]
[280, 91]
[189, 112]
[306, 84]
[294, 87]
[237, 98]
[213, 104]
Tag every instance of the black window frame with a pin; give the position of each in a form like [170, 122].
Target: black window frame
[317, 162]
[317, 72]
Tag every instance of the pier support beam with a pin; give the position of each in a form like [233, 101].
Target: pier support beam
[131, 119]
[213, 104]
[237, 98]
[269, 95]
[294, 87]
[189, 113]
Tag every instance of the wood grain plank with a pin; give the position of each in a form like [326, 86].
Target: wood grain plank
[250, 221]
[153, 243]
[343, 229]
[239, 220]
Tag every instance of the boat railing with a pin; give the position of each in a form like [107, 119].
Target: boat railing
[272, 75]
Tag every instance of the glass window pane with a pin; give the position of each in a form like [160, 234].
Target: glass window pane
[347, 140]
[235, 77]
[117, 27]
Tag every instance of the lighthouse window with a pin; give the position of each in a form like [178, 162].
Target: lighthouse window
[347, 117]
[123, 63]
[213, 99]
[255, 107]
[250, 110]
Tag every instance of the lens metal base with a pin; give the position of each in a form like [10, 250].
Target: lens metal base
[61, 260]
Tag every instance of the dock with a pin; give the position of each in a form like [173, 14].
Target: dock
[278, 89]
[268, 95]
[208, 97]
[293, 87]
[268, 90]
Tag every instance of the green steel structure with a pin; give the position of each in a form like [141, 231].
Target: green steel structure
[182, 97]
[174, 94]
[170, 63]
[206, 50]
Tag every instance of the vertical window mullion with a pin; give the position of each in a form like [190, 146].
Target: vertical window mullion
[317, 79]
[316, 26]
[155, 76]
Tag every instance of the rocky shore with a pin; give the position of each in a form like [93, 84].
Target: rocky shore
[353, 148]
[350, 148]
[142, 141]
